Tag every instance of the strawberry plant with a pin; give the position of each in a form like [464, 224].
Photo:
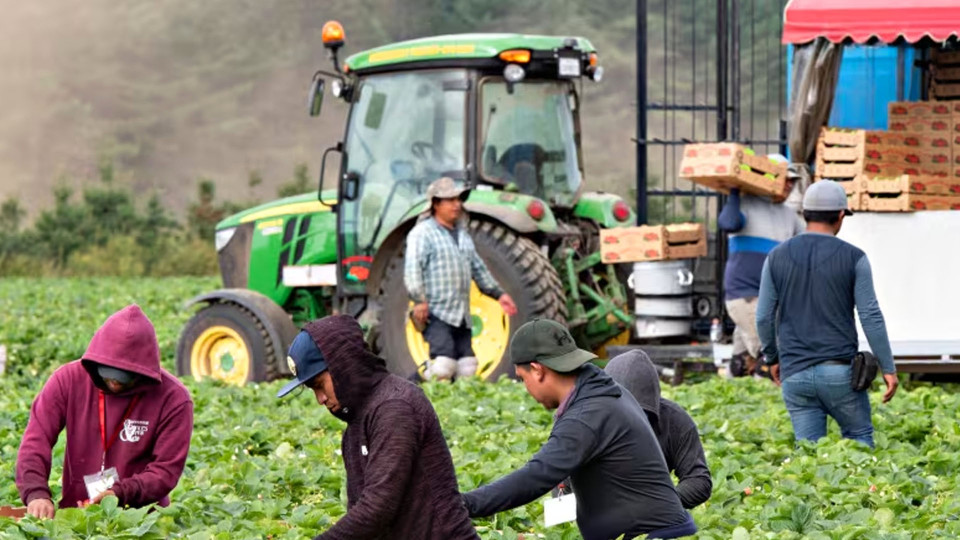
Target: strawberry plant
[259, 468]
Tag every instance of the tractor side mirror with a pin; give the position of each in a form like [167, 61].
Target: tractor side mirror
[315, 101]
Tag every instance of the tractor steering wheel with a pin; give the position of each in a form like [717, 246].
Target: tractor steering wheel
[420, 149]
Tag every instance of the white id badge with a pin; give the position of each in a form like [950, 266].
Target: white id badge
[99, 482]
[560, 510]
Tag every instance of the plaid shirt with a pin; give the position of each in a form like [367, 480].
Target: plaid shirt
[438, 270]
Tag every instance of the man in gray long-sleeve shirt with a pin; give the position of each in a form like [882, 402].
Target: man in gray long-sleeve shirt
[809, 288]
[600, 439]
[676, 432]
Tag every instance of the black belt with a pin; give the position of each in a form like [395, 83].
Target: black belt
[838, 362]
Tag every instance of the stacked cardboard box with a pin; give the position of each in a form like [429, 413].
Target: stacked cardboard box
[653, 243]
[723, 166]
[955, 140]
[899, 170]
[906, 193]
[847, 154]
[945, 75]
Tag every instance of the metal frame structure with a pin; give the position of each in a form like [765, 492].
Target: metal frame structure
[707, 70]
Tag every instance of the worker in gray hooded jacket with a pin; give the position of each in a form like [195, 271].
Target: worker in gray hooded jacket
[676, 432]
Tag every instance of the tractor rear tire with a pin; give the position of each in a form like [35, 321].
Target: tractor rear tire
[227, 342]
[520, 268]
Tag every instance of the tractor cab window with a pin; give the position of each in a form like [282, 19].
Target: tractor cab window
[405, 131]
[528, 138]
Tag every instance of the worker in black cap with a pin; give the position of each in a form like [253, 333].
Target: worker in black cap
[601, 440]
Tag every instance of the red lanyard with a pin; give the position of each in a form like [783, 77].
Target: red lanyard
[103, 424]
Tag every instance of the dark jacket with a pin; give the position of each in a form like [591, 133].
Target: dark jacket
[150, 447]
[676, 432]
[604, 443]
[400, 477]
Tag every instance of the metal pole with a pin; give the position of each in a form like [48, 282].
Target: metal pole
[641, 112]
[900, 75]
[722, 72]
[735, 72]
[723, 81]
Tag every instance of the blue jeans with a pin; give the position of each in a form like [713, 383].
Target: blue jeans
[822, 390]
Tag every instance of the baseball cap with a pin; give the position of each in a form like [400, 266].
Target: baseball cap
[446, 188]
[305, 361]
[122, 376]
[826, 196]
[547, 342]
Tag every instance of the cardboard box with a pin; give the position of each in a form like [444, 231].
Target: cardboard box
[722, 166]
[941, 90]
[653, 243]
[921, 185]
[924, 158]
[931, 125]
[854, 201]
[909, 139]
[915, 110]
[13, 512]
[908, 202]
[848, 153]
[946, 72]
[941, 56]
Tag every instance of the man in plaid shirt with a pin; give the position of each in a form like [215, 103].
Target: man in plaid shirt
[440, 262]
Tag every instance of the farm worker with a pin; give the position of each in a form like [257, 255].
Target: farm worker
[440, 262]
[810, 286]
[600, 439]
[128, 423]
[756, 225]
[400, 478]
[675, 430]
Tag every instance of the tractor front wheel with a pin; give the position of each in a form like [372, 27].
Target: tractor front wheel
[520, 268]
[226, 342]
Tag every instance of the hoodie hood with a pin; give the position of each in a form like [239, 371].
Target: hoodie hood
[126, 341]
[354, 369]
[634, 371]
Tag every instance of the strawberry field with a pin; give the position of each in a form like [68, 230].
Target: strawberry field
[260, 467]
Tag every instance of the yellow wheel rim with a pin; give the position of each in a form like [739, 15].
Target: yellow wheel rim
[622, 338]
[491, 334]
[220, 353]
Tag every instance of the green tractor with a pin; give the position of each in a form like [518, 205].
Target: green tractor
[499, 112]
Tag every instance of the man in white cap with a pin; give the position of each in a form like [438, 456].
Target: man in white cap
[755, 225]
[439, 264]
[809, 288]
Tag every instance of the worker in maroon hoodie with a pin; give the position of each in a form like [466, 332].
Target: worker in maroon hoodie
[128, 423]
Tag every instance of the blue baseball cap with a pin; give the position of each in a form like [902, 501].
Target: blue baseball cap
[305, 361]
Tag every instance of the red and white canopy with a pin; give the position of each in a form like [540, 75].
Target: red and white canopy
[862, 20]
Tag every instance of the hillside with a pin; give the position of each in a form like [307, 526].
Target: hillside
[177, 90]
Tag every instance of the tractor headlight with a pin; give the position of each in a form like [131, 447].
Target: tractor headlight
[336, 87]
[223, 237]
[513, 73]
[597, 73]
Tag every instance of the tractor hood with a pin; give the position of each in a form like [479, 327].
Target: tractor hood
[298, 204]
